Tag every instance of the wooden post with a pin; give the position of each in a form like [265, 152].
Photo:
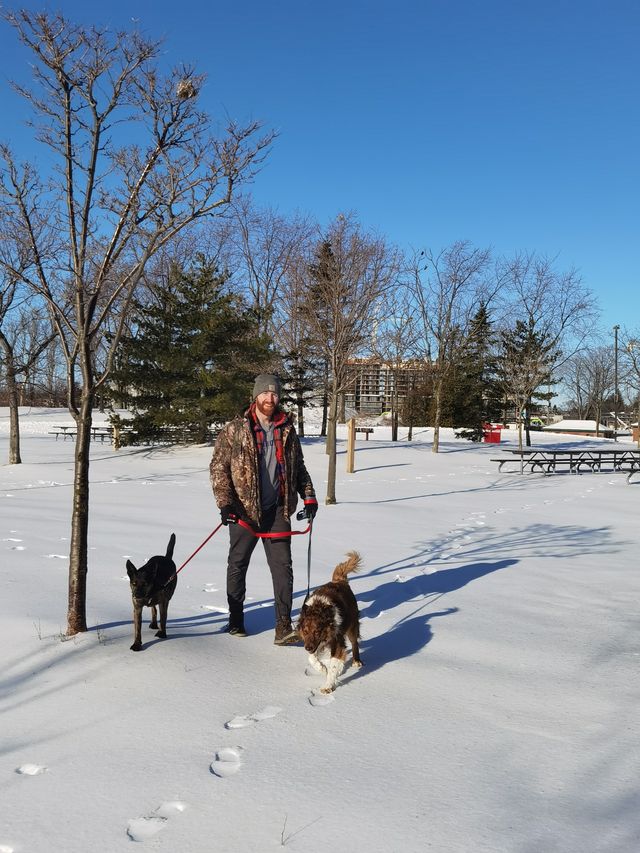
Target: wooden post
[351, 445]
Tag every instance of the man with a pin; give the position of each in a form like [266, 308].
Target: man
[257, 473]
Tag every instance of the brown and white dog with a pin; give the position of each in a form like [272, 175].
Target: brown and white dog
[329, 615]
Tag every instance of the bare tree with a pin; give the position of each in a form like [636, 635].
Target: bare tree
[302, 359]
[265, 245]
[396, 343]
[630, 367]
[351, 273]
[135, 163]
[590, 374]
[448, 288]
[555, 308]
[24, 337]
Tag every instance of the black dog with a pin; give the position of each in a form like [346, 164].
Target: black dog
[152, 585]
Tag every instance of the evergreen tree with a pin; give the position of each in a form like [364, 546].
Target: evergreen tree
[300, 376]
[192, 358]
[473, 396]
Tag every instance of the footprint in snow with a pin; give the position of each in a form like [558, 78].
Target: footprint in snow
[11, 539]
[31, 769]
[320, 699]
[209, 587]
[141, 828]
[227, 761]
[242, 721]
[57, 556]
[171, 808]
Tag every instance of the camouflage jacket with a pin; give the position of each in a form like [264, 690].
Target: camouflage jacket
[235, 470]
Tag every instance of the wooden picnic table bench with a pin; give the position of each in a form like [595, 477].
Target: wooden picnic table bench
[98, 432]
[573, 461]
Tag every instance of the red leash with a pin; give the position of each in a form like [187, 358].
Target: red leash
[281, 535]
[199, 548]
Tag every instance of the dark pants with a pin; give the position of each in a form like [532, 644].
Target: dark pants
[278, 552]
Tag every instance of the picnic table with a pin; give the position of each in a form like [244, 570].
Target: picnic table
[572, 461]
[100, 432]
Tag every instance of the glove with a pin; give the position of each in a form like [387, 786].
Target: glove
[310, 508]
[228, 515]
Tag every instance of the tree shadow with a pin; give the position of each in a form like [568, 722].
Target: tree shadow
[389, 595]
[549, 541]
[378, 467]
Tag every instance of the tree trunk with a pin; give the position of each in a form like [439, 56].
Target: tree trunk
[437, 414]
[12, 395]
[78, 553]
[331, 450]
[325, 400]
[394, 417]
[527, 423]
[331, 428]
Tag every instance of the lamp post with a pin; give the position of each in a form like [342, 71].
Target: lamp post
[616, 329]
[631, 345]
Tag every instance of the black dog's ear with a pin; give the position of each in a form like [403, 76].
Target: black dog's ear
[131, 569]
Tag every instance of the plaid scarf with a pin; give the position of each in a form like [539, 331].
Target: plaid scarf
[279, 419]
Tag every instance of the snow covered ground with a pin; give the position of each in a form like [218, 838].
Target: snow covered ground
[497, 709]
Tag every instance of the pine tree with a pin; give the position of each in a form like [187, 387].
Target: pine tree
[474, 395]
[192, 358]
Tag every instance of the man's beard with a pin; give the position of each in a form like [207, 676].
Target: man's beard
[266, 409]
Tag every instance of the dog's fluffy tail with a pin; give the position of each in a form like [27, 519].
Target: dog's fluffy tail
[171, 545]
[353, 563]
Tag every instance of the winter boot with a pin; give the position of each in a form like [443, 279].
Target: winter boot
[285, 635]
[236, 627]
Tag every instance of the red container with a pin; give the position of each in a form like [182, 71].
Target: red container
[491, 434]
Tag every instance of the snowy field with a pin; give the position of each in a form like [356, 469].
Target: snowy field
[497, 710]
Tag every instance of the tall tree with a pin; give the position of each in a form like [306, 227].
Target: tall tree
[351, 273]
[590, 376]
[448, 287]
[525, 362]
[133, 164]
[396, 344]
[265, 245]
[25, 335]
[556, 310]
[473, 396]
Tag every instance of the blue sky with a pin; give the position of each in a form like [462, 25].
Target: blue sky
[512, 124]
